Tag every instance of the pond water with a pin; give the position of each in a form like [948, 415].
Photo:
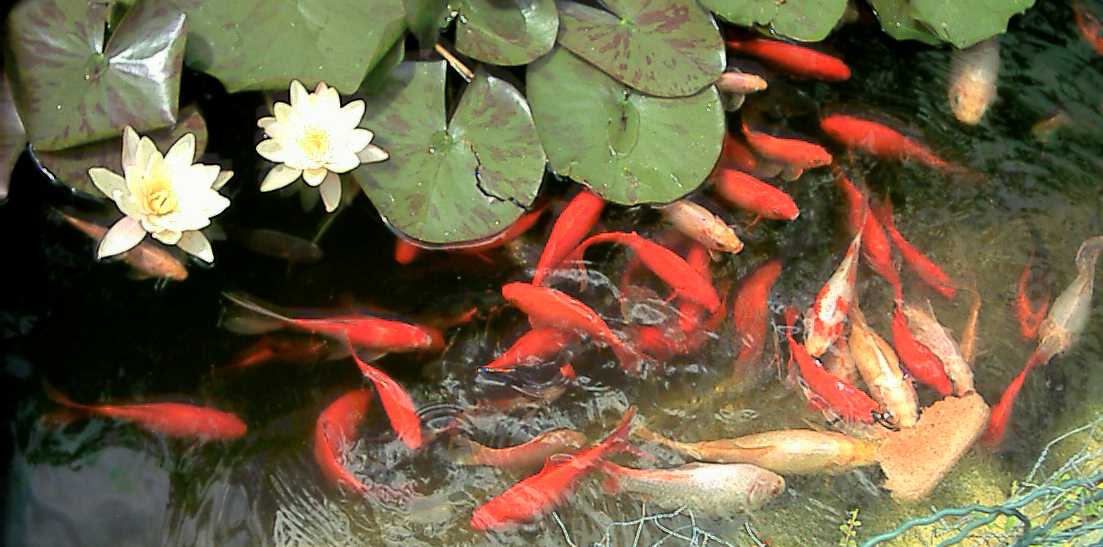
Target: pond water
[99, 336]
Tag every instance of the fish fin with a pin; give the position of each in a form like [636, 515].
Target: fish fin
[556, 460]
[59, 419]
[60, 398]
[639, 453]
[618, 439]
[397, 404]
[266, 315]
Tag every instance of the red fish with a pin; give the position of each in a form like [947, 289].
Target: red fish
[879, 140]
[737, 155]
[690, 313]
[1030, 319]
[177, 420]
[840, 397]
[876, 248]
[749, 193]
[272, 348]
[577, 219]
[551, 308]
[924, 267]
[750, 314]
[541, 493]
[405, 252]
[335, 428]
[362, 331]
[919, 360]
[536, 345]
[824, 321]
[792, 152]
[658, 342]
[1089, 27]
[397, 404]
[797, 60]
[1001, 412]
[664, 263]
[525, 456]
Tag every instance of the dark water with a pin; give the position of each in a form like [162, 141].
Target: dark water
[99, 336]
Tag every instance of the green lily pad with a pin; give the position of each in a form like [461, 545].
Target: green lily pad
[70, 166]
[71, 88]
[378, 76]
[667, 48]
[628, 147]
[897, 21]
[425, 19]
[264, 44]
[450, 181]
[807, 20]
[13, 140]
[966, 22]
[505, 32]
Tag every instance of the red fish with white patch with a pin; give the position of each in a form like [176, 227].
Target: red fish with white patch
[824, 321]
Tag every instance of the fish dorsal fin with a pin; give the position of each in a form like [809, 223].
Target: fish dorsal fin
[556, 460]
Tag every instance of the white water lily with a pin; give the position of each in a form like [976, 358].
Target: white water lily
[316, 138]
[168, 196]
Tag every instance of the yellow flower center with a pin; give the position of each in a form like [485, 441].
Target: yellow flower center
[159, 197]
[315, 143]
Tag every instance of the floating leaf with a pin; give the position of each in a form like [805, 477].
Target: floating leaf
[897, 21]
[807, 20]
[13, 140]
[425, 19]
[668, 48]
[70, 166]
[264, 44]
[966, 22]
[457, 181]
[71, 88]
[378, 76]
[505, 32]
[628, 147]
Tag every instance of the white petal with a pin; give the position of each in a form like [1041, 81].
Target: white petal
[168, 237]
[122, 237]
[358, 139]
[352, 113]
[343, 162]
[107, 181]
[282, 111]
[299, 96]
[372, 154]
[278, 177]
[266, 121]
[196, 244]
[330, 190]
[222, 179]
[328, 100]
[271, 150]
[145, 157]
[199, 176]
[182, 153]
[130, 146]
[314, 177]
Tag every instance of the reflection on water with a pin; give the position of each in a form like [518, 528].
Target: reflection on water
[101, 337]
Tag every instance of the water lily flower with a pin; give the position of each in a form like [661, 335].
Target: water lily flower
[316, 138]
[168, 196]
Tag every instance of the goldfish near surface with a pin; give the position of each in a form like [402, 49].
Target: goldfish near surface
[789, 451]
[797, 60]
[574, 222]
[702, 225]
[880, 370]
[713, 488]
[147, 259]
[973, 75]
[526, 455]
[838, 396]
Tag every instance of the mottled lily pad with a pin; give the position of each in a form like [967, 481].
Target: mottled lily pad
[264, 44]
[13, 140]
[505, 32]
[966, 22]
[807, 20]
[452, 181]
[72, 88]
[667, 48]
[628, 147]
[70, 166]
[897, 21]
[377, 78]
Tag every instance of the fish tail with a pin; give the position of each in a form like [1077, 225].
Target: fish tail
[618, 439]
[1001, 413]
[650, 436]
[60, 398]
[260, 318]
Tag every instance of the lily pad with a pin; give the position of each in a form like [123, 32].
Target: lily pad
[897, 21]
[70, 166]
[13, 140]
[966, 22]
[425, 19]
[454, 181]
[378, 76]
[807, 20]
[264, 44]
[628, 147]
[505, 32]
[71, 88]
[667, 48]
